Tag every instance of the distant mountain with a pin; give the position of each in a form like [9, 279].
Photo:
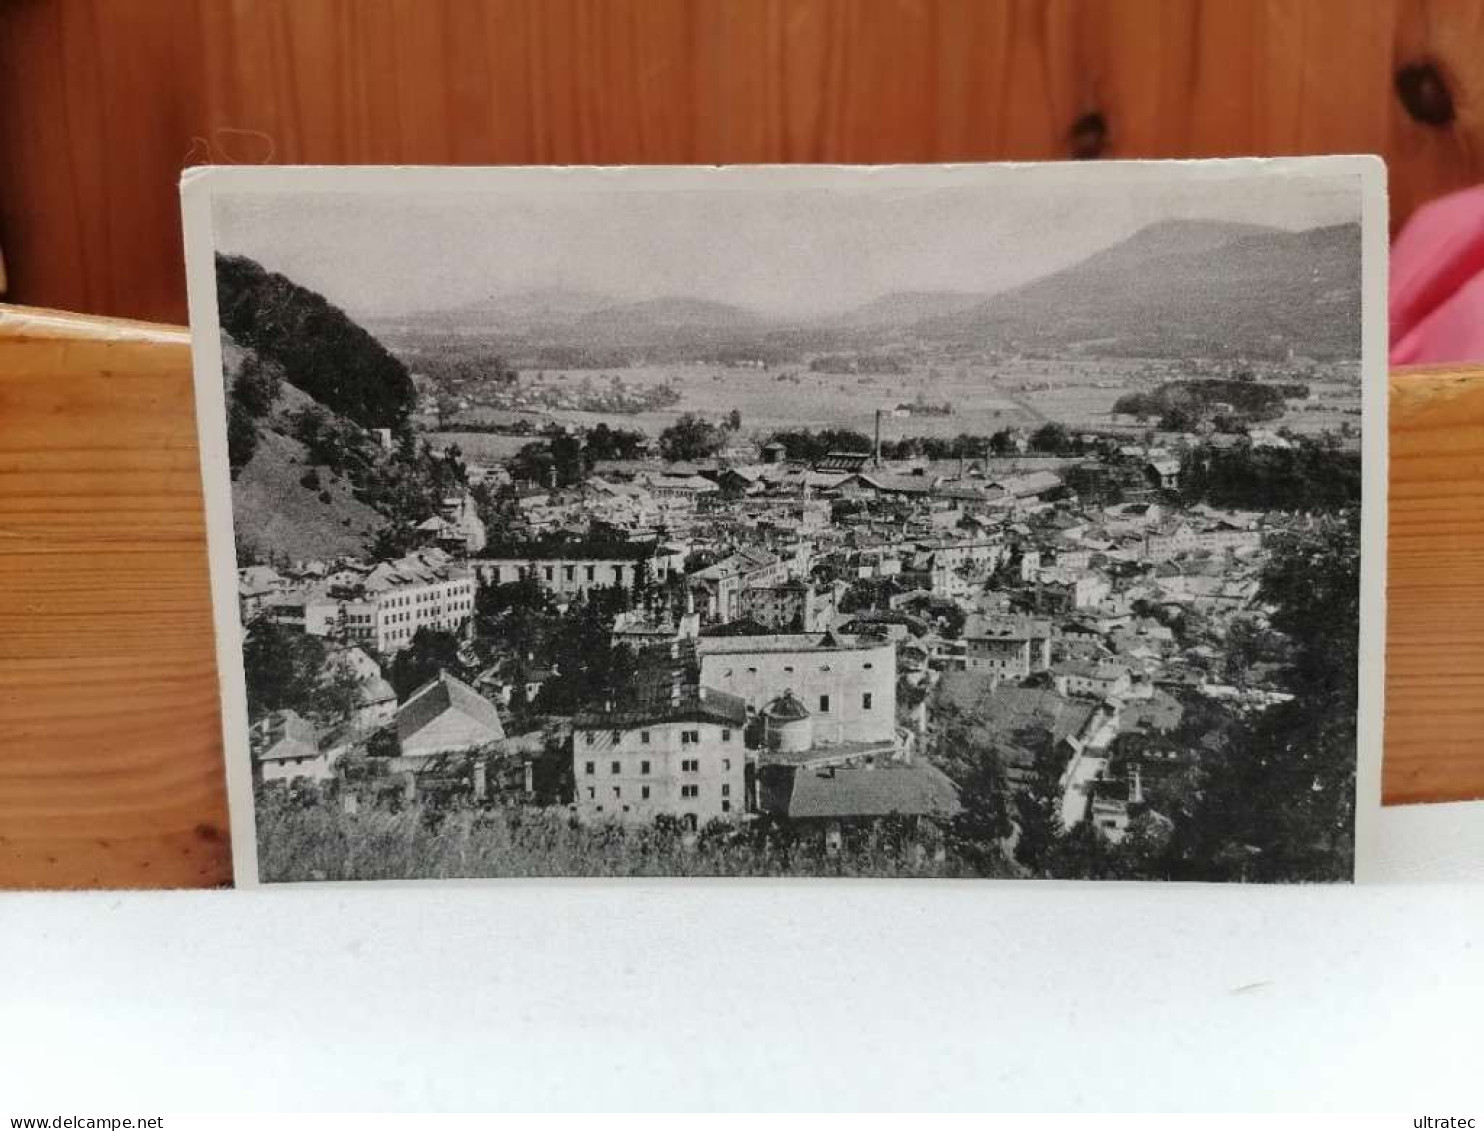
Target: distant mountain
[640, 320]
[1184, 288]
[1178, 288]
[903, 308]
[514, 312]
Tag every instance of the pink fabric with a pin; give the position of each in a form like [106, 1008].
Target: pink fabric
[1437, 283]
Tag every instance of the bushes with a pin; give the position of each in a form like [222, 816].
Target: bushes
[323, 842]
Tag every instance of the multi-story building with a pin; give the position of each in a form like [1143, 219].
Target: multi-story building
[718, 588]
[386, 606]
[794, 606]
[849, 684]
[677, 751]
[1006, 647]
[576, 569]
[426, 589]
[1084, 678]
[456, 527]
[1062, 591]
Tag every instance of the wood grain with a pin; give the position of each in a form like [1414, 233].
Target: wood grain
[111, 764]
[102, 102]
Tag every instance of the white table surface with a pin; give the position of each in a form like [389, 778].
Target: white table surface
[760, 995]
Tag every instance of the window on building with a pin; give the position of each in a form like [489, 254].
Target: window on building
[690, 791]
[616, 737]
[617, 767]
[824, 704]
[685, 738]
[644, 767]
[589, 767]
[726, 735]
[591, 738]
[695, 736]
[726, 806]
[591, 793]
[726, 763]
[726, 791]
[617, 791]
[644, 737]
[644, 793]
[867, 666]
[592, 573]
[866, 701]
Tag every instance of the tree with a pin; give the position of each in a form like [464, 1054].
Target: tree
[1051, 438]
[1276, 799]
[976, 834]
[242, 438]
[431, 651]
[1002, 442]
[316, 346]
[336, 693]
[691, 438]
[281, 666]
[1037, 804]
[734, 420]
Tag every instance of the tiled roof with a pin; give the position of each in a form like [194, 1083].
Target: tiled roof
[284, 735]
[665, 704]
[438, 696]
[980, 627]
[848, 791]
[1003, 709]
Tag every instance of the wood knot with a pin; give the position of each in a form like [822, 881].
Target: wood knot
[1424, 92]
[1088, 137]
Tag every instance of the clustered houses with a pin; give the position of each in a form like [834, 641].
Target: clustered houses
[381, 605]
[797, 632]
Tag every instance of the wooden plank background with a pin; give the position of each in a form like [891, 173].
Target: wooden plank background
[102, 102]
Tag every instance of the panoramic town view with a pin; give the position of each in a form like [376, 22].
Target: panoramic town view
[905, 549]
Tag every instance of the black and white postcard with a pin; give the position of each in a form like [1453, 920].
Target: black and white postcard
[1020, 522]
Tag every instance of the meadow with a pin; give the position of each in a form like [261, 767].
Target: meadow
[985, 399]
[322, 842]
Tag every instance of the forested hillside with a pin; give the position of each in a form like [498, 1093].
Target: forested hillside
[313, 343]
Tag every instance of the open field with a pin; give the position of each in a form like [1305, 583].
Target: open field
[986, 398]
[481, 447]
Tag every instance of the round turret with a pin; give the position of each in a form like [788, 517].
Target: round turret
[788, 727]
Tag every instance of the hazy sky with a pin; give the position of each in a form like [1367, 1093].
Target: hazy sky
[799, 251]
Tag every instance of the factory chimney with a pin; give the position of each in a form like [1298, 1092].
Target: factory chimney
[876, 448]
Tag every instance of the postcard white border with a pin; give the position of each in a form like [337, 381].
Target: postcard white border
[198, 185]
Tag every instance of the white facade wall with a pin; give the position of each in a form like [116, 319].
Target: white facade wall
[389, 620]
[691, 770]
[570, 577]
[851, 692]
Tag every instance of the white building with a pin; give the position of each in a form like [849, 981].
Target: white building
[849, 684]
[679, 754]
